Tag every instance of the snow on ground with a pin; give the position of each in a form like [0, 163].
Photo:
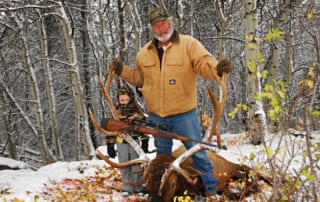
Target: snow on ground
[94, 179]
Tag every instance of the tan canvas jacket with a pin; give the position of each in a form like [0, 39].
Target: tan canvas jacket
[171, 88]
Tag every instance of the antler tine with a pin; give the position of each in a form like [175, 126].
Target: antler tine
[97, 126]
[175, 166]
[218, 108]
[111, 74]
[135, 145]
[108, 82]
[106, 94]
[120, 165]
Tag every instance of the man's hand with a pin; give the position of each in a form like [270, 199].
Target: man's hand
[116, 66]
[224, 65]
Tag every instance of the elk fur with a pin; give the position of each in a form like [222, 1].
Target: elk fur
[176, 184]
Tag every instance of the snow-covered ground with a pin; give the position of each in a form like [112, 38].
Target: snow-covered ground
[92, 180]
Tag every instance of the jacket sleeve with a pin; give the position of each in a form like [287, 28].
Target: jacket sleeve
[132, 75]
[204, 63]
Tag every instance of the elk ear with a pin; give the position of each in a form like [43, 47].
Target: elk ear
[170, 187]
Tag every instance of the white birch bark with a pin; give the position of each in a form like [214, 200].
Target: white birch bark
[222, 25]
[136, 22]
[280, 22]
[257, 117]
[289, 58]
[49, 87]
[46, 154]
[289, 40]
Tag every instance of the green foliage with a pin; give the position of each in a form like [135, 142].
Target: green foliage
[252, 155]
[270, 152]
[264, 74]
[241, 184]
[291, 185]
[306, 173]
[238, 107]
[251, 65]
[310, 15]
[315, 112]
[312, 74]
[273, 34]
[306, 82]
[275, 95]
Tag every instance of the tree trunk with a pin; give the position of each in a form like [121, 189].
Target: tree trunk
[86, 68]
[4, 124]
[122, 47]
[46, 154]
[222, 25]
[137, 23]
[49, 87]
[257, 117]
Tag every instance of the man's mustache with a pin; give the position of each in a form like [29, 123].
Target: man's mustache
[164, 32]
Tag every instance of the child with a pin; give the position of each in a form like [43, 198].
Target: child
[128, 110]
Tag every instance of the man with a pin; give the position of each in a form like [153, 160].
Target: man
[167, 69]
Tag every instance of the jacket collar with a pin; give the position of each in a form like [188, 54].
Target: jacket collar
[174, 39]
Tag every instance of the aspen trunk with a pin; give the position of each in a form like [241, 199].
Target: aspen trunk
[49, 87]
[26, 61]
[257, 117]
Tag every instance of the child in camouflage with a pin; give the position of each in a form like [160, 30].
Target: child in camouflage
[128, 110]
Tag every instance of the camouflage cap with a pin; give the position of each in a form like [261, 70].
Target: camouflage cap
[158, 14]
[126, 90]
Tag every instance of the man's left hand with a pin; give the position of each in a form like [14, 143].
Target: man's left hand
[224, 65]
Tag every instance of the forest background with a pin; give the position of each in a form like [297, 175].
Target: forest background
[53, 52]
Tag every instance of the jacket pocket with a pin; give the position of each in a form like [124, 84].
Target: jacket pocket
[149, 68]
[148, 62]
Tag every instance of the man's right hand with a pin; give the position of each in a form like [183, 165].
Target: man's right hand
[116, 66]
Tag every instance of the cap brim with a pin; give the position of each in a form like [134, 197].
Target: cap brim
[158, 19]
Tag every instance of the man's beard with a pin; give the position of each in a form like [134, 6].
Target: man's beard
[164, 38]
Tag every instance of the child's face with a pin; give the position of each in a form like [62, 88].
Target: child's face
[124, 99]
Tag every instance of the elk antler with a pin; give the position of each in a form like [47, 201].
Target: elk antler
[218, 106]
[120, 165]
[106, 93]
[97, 126]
